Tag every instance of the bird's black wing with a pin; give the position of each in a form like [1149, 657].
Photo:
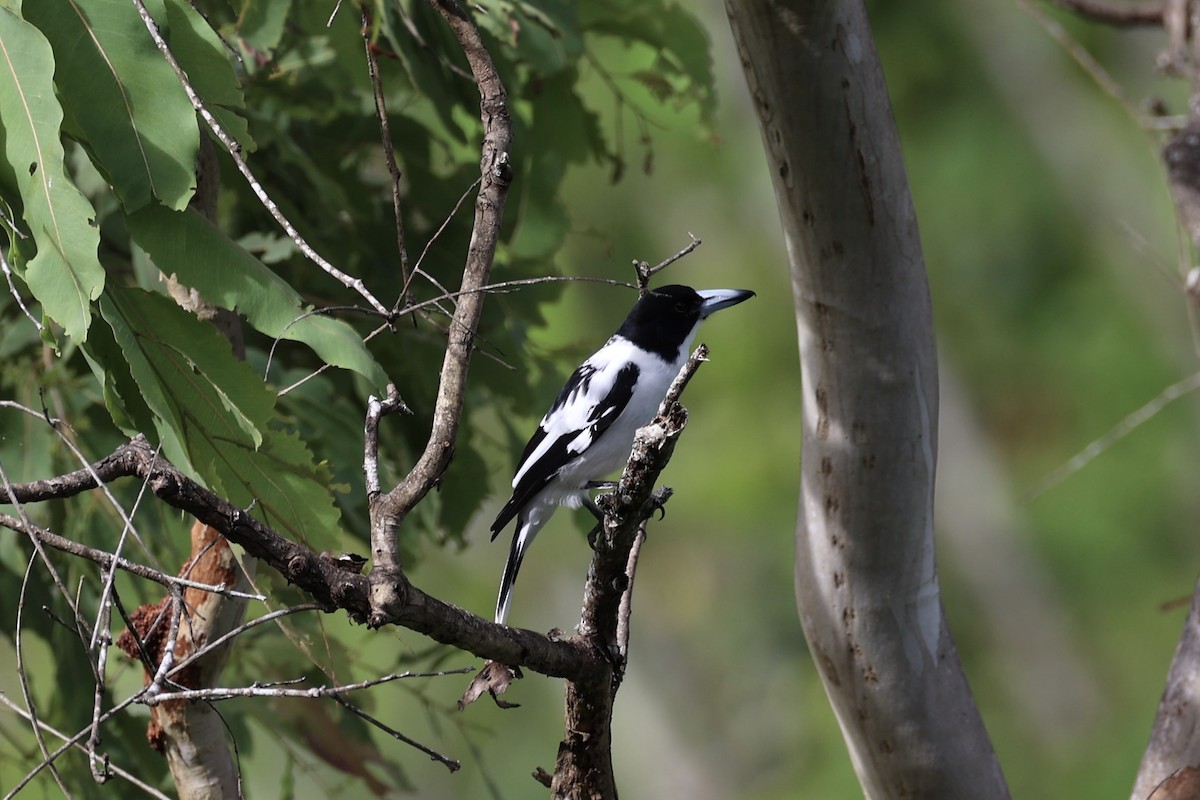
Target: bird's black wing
[585, 408]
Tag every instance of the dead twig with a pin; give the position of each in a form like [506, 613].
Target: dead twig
[645, 272]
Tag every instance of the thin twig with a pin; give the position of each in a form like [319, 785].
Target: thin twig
[144, 657]
[12, 287]
[42, 536]
[404, 292]
[26, 693]
[103, 633]
[497, 288]
[238, 631]
[686, 373]
[234, 149]
[120, 773]
[413, 308]
[389, 153]
[433, 53]
[1086, 61]
[625, 610]
[167, 660]
[450, 763]
[1114, 435]
[217, 694]
[33, 412]
[384, 327]
[645, 272]
[336, 8]
[1120, 15]
[377, 409]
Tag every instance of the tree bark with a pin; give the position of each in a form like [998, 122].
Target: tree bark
[192, 735]
[1175, 737]
[866, 583]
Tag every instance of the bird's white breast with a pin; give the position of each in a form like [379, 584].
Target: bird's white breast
[610, 451]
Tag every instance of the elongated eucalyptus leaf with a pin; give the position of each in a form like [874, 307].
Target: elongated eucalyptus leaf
[203, 57]
[139, 125]
[213, 415]
[204, 258]
[65, 275]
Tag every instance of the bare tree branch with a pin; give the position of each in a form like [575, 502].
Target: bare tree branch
[106, 559]
[389, 153]
[329, 583]
[584, 764]
[645, 272]
[1121, 15]
[388, 510]
[311, 693]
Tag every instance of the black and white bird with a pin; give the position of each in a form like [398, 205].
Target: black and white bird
[589, 430]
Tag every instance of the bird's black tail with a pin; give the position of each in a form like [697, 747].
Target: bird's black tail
[522, 536]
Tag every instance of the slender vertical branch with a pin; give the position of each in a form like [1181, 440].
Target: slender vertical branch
[388, 510]
[584, 764]
[389, 152]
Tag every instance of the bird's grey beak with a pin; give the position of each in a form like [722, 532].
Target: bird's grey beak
[716, 299]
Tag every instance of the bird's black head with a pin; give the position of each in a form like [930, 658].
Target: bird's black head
[665, 318]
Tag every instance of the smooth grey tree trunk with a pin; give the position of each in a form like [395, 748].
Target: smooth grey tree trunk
[866, 581]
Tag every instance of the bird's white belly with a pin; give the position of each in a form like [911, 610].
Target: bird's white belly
[610, 452]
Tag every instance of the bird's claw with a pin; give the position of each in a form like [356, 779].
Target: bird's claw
[593, 536]
[658, 502]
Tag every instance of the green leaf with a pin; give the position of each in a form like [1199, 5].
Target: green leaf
[213, 415]
[674, 33]
[186, 372]
[260, 23]
[202, 56]
[136, 119]
[122, 396]
[290, 491]
[202, 257]
[544, 35]
[65, 275]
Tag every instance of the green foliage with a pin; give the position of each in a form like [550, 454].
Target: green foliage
[65, 274]
[227, 275]
[126, 101]
[99, 204]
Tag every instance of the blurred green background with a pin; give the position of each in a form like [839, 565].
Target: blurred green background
[1053, 259]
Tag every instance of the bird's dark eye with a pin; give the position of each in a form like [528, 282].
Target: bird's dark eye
[681, 307]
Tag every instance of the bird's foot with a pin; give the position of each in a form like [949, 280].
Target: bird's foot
[658, 502]
[591, 506]
[593, 537]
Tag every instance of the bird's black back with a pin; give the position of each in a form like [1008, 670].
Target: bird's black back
[662, 319]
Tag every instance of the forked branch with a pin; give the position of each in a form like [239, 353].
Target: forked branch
[388, 510]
